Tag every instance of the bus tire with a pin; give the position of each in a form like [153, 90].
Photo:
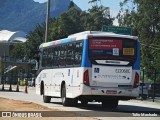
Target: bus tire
[110, 104]
[42, 88]
[46, 99]
[67, 101]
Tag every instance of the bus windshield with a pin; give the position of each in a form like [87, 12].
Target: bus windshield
[112, 51]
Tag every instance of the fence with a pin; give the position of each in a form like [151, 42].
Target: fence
[151, 80]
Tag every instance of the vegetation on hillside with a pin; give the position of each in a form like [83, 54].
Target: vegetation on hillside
[23, 15]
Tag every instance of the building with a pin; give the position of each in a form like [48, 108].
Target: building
[8, 39]
[8, 67]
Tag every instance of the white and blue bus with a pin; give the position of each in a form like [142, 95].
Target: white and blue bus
[90, 66]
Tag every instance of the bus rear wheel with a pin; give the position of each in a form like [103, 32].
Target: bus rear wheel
[110, 104]
[67, 101]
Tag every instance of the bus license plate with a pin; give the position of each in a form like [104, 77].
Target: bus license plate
[111, 92]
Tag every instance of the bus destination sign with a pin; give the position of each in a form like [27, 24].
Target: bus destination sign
[105, 44]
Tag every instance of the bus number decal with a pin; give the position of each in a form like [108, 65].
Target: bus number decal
[122, 70]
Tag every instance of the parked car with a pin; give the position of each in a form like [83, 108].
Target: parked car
[145, 91]
[151, 88]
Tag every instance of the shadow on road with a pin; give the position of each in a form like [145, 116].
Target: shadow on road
[120, 108]
[131, 109]
[95, 110]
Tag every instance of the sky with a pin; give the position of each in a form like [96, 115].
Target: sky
[84, 5]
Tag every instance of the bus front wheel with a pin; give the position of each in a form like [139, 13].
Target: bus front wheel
[46, 99]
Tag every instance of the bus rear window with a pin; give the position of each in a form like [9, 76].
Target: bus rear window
[112, 49]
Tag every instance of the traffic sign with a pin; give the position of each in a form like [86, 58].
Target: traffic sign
[118, 30]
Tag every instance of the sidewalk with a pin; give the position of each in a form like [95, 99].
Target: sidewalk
[21, 88]
[147, 102]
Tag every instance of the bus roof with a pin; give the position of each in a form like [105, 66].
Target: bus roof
[84, 35]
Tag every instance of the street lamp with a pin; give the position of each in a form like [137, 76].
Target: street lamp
[47, 20]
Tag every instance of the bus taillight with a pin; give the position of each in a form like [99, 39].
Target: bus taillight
[86, 78]
[136, 80]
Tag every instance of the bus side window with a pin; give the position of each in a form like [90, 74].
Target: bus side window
[70, 54]
[53, 57]
[78, 53]
[62, 55]
[49, 57]
[56, 56]
[40, 58]
[44, 57]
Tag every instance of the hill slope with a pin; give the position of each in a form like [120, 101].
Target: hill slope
[25, 14]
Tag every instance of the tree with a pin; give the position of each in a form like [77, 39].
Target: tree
[66, 24]
[145, 20]
[30, 49]
[19, 51]
[94, 1]
[71, 5]
[35, 38]
[70, 22]
[96, 17]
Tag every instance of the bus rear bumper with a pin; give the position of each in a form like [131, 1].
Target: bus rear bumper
[117, 92]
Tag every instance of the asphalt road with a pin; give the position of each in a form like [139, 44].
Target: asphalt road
[132, 108]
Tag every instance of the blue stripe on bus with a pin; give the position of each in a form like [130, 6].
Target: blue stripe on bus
[137, 63]
[85, 59]
[66, 40]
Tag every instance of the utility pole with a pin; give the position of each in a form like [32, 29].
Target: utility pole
[47, 20]
[155, 76]
[142, 85]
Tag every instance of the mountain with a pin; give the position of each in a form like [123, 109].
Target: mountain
[24, 15]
